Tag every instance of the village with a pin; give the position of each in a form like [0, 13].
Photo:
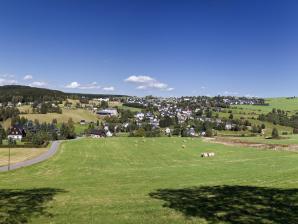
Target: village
[133, 116]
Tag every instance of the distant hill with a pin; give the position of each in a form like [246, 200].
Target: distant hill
[18, 93]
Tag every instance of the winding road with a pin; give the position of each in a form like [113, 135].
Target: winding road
[52, 150]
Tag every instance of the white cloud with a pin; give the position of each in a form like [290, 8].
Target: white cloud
[73, 85]
[109, 88]
[7, 81]
[139, 79]
[141, 87]
[77, 85]
[28, 77]
[144, 82]
[7, 75]
[38, 84]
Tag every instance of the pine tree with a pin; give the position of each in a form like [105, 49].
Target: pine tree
[275, 133]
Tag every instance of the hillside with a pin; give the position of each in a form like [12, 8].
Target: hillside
[18, 93]
[283, 103]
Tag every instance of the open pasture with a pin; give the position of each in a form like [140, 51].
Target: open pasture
[153, 180]
[76, 114]
[283, 140]
[286, 104]
[19, 154]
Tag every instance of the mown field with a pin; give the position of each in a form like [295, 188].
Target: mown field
[153, 180]
[278, 103]
[285, 139]
[75, 114]
[19, 154]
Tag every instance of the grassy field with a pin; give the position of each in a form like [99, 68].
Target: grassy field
[76, 114]
[286, 140]
[135, 180]
[19, 154]
[278, 103]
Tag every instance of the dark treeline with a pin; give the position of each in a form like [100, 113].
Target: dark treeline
[136, 105]
[45, 108]
[25, 94]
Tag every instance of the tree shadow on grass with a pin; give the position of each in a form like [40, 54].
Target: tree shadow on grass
[233, 204]
[17, 206]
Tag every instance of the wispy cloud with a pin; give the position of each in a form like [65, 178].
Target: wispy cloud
[38, 84]
[4, 81]
[145, 82]
[77, 85]
[72, 85]
[7, 75]
[28, 77]
[7, 79]
[109, 88]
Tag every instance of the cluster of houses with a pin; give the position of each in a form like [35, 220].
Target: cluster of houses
[148, 117]
[202, 100]
[244, 101]
[188, 108]
[180, 108]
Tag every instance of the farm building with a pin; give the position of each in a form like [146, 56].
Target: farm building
[97, 133]
[108, 112]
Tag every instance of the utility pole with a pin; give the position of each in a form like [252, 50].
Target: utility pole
[9, 157]
[10, 142]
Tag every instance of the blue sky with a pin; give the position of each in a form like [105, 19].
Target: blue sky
[165, 47]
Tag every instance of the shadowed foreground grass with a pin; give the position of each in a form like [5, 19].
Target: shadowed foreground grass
[233, 204]
[18, 206]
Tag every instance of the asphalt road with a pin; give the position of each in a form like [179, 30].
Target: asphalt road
[52, 150]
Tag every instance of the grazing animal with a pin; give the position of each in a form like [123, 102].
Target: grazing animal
[204, 154]
[208, 154]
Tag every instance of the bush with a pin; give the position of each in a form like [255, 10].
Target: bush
[209, 133]
[138, 133]
[153, 133]
[275, 133]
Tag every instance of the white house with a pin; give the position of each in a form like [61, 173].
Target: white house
[109, 134]
[140, 116]
[228, 126]
[168, 131]
[15, 133]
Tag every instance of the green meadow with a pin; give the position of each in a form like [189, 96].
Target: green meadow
[282, 103]
[153, 180]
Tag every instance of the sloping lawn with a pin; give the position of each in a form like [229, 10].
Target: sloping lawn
[156, 180]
